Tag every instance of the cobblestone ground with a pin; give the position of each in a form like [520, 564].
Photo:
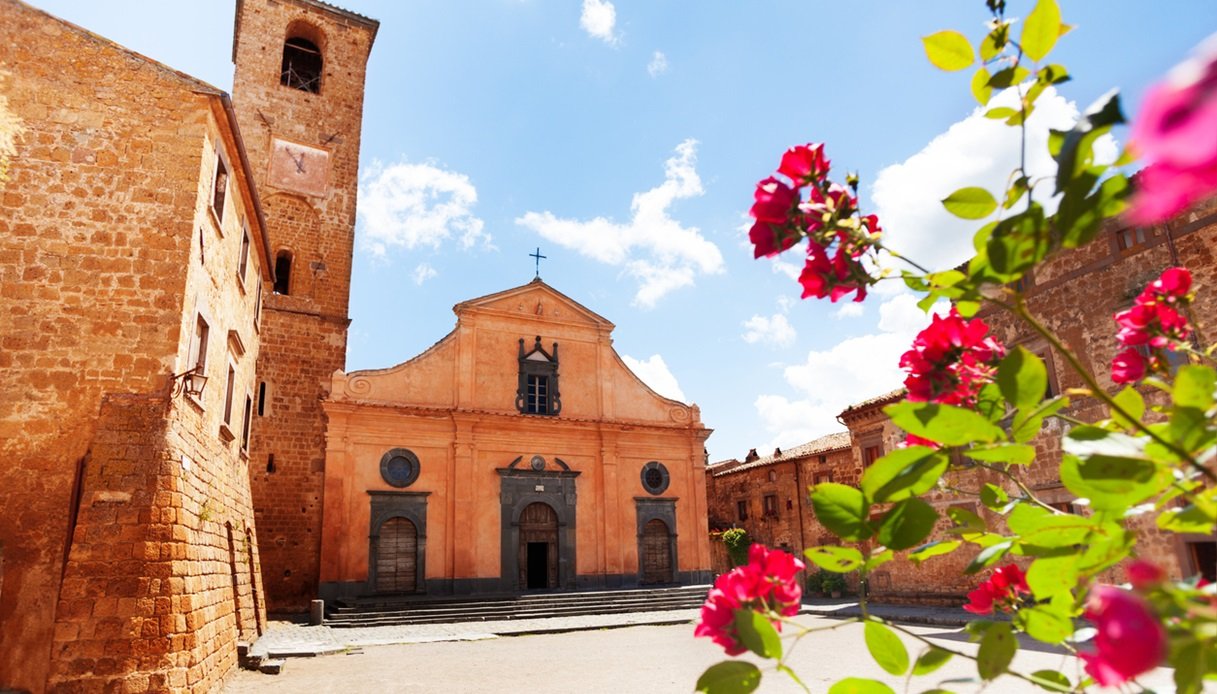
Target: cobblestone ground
[630, 659]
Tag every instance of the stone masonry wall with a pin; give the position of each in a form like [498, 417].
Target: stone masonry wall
[305, 328]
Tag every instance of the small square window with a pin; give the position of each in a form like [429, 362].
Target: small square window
[537, 398]
[741, 508]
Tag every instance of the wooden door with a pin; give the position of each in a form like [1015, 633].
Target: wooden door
[656, 552]
[539, 523]
[396, 554]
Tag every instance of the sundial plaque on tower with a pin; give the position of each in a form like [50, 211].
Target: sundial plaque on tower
[299, 168]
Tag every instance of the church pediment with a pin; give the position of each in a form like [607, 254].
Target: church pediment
[535, 299]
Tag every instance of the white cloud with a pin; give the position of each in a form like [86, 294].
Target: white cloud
[850, 309]
[658, 251]
[411, 205]
[975, 151]
[830, 380]
[658, 64]
[772, 330]
[654, 372]
[598, 20]
[422, 273]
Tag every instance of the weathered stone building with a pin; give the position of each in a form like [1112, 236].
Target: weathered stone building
[132, 257]
[767, 495]
[517, 453]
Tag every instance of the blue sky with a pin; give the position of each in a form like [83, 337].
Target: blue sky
[624, 139]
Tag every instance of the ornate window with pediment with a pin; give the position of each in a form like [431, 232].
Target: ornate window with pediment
[537, 390]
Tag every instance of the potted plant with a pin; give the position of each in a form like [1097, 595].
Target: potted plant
[834, 584]
[815, 583]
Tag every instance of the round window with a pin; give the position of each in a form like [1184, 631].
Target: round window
[655, 478]
[399, 467]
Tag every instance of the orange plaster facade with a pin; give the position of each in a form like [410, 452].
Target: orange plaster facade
[480, 461]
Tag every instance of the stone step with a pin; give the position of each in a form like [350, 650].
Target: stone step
[419, 611]
[271, 666]
[549, 597]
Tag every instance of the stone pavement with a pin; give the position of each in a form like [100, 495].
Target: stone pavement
[284, 639]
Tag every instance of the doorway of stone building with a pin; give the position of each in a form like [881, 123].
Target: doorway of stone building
[396, 557]
[538, 557]
[656, 552]
[1204, 559]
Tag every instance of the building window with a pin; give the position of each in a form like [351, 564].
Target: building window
[741, 508]
[771, 506]
[243, 259]
[789, 505]
[283, 272]
[822, 477]
[537, 389]
[228, 394]
[198, 345]
[773, 476]
[1132, 238]
[302, 65]
[258, 306]
[219, 189]
[871, 452]
[262, 399]
[249, 411]
[655, 477]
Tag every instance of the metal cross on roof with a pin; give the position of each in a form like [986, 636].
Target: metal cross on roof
[538, 256]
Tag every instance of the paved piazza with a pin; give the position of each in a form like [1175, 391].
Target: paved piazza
[652, 658]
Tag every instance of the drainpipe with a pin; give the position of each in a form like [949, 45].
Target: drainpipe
[799, 492]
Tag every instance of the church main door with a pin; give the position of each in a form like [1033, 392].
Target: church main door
[656, 552]
[538, 558]
[396, 551]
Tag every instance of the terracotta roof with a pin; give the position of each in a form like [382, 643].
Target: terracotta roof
[831, 442]
[885, 399]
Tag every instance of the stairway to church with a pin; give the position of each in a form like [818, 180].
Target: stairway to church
[400, 610]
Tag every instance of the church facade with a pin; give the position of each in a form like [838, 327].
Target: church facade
[517, 453]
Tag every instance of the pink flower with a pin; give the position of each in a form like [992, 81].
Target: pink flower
[1143, 574]
[1128, 366]
[1130, 638]
[774, 200]
[804, 164]
[1176, 132]
[765, 584]
[1002, 590]
[1174, 283]
[770, 239]
[951, 360]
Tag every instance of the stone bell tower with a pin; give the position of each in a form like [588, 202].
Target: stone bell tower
[298, 93]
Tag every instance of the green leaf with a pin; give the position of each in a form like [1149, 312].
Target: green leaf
[1009, 77]
[836, 559]
[1049, 576]
[1075, 154]
[933, 549]
[907, 524]
[994, 41]
[1131, 402]
[1194, 387]
[903, 473]
[966, 519]
[729, 677]
[1009, 453]
[793, 676]
[886, 648]
[841, 509]
[1052, 74]
[857, 685]
[1052, 680]
[1043, 623]
[970, 203]
[1015, 192]
[1018, 242]
[1198, 517]
[994, 497]
[877, 560]
[1036, 526]
[948, 50]
[1000, 113]
[1023, 378]
[929, 661]
[981, 91]
[945, 424]
[996, 651]
[989, 556]
[1041, 30]
[1026, 425]
[757, 634]
[1110, 468]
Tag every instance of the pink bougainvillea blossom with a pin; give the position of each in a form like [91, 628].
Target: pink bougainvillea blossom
[1176, 133]
[951, 360]
[1154, 323]
[1001, 591]
[766, 584]
[1130, 639]
[1143, 574]
[823, 212]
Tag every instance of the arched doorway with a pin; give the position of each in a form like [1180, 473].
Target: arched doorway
[656, 552]
[396, 554]
[538, 559]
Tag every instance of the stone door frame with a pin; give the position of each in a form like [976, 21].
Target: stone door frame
[517, 489]
[409, 505]
[649, 508]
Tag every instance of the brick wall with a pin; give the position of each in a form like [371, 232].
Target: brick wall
[304, 329]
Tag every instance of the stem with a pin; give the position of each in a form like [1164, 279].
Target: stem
[1020, 309]
[1021, 487]
[898, 256]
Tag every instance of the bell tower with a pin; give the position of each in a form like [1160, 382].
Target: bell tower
[298, 93]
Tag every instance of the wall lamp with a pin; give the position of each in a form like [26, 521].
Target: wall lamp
[190, 382]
